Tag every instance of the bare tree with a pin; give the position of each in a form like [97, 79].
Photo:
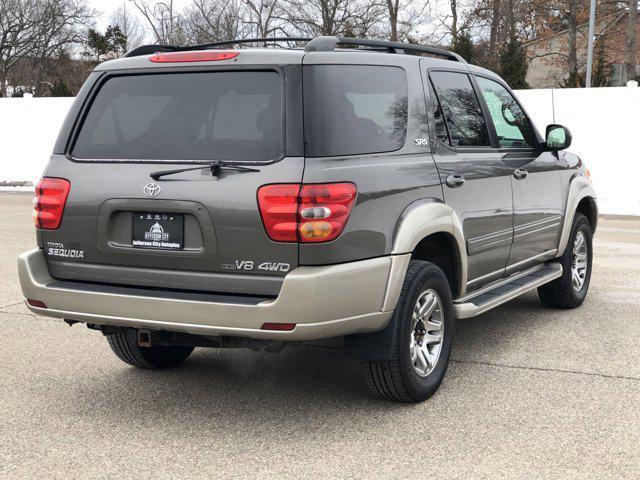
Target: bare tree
[320, 17]
[262, 16]
[454, 21]
[37, 30]
[165, 21]
[129, 25]
[630, 47]
[403, 17]
[214, 20]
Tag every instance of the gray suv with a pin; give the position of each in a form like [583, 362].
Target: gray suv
[213, 197]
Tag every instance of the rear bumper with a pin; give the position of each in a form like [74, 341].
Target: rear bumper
[323, 302]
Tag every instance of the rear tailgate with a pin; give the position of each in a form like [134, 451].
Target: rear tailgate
[191, 230]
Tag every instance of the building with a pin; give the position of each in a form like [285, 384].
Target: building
[548, 55]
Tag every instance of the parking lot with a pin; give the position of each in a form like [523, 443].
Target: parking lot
[531, 393]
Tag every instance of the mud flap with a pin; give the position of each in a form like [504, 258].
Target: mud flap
[376, 346]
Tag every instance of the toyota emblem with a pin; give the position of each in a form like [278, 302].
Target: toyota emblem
[151, 189]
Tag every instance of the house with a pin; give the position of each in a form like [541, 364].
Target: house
[548, 55]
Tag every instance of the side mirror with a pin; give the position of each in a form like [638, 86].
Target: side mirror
[557, 138]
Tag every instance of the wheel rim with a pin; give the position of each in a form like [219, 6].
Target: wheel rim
[579, 262]
[427, 330]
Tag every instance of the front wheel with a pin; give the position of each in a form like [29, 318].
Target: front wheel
[124, 343]
[570, 290]
[424, 332]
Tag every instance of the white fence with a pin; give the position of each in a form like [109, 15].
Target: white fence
[28, 129]
[604, 123]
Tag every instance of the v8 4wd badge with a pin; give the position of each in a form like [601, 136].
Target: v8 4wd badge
[249, 265]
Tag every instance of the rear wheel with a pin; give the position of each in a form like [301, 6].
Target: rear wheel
[124, 343]
[570, 290]
[424, 331]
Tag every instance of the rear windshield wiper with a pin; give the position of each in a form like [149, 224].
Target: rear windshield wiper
[215, 168]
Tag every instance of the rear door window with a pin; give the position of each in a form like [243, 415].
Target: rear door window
[236, 116]
[461, 108]
[354, 109]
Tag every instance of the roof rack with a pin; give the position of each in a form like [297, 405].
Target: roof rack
[154, 48]
[329, 44]
[318, 44]
[248, 40]
[150, 49]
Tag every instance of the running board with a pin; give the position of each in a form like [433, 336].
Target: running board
[507, 289]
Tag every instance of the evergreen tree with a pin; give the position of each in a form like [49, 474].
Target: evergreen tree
[602, 70]
[59, 88]
[513, 64]
[463, 46]
[111, 44]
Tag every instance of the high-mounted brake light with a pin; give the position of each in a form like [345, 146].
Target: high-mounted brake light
[307, 213]
[206, 56]
[48, 204]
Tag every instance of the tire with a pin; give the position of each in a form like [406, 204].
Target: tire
[124, 343]
[562, 293]
[398, 379]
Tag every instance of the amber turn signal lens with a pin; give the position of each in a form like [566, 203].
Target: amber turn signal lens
[315, 230]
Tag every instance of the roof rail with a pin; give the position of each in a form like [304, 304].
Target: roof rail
[247, 40]
[149, 49]
[329, 43]
[318, 44]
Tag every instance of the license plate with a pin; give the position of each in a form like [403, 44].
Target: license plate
[158, 230]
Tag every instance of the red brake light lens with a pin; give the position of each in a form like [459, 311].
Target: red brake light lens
[48, 204]
[279, 211]
[310, 213]
[206, 56]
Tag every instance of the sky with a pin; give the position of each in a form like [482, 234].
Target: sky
[106, 7]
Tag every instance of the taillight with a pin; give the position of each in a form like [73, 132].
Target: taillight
[279, 210]
[324, 210]
[48, 204]
[308, 213]
[179, 57]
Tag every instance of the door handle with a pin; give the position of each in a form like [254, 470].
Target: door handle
[520, 173]
[455, 181]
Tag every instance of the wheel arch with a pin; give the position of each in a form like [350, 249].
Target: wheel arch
[580, 198]
[424, 230]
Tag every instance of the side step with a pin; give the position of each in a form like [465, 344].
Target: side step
[507, 289]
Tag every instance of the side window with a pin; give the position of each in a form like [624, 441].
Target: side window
[354, 109]
[441, 128]
[462, 112]
[512, 126]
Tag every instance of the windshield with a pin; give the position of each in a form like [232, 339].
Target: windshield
[233, 116]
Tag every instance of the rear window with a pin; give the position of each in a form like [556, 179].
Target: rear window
[351, 109]
[234, 116]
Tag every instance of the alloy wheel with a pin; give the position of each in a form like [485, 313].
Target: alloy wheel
[427, 329]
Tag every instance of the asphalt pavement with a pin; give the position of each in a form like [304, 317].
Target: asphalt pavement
[531, 392]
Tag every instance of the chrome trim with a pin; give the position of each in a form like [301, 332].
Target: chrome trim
[519, 236]
[484, 277]
[548, 255]
[487, 242]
